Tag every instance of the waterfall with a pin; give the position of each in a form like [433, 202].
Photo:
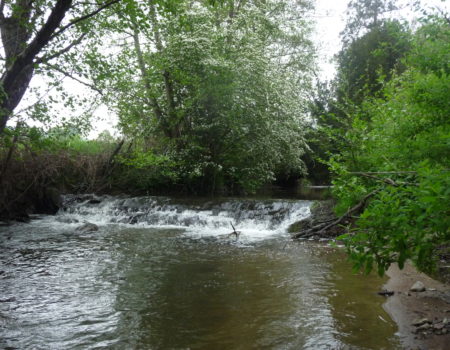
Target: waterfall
[253, 217]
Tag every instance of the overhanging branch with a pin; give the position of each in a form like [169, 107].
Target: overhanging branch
[85, 17]
[323, 227]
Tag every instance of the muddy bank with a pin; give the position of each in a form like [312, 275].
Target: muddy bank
[423, 318]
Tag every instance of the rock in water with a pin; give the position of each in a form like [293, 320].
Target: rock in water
[417, 287]
[87, 227]
[421, 322]
[67, 220]
[386, 293]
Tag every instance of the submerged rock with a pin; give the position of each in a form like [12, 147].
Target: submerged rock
[418, 287]
[135, 219]
[87, 227]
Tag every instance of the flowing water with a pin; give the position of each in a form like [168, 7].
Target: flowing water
[165, 274]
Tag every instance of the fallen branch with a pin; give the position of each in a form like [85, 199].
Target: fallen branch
[320, 229]
[381, 172]
[386, 180]
[387, 172]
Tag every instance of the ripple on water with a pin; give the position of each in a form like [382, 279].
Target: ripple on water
[126, 287]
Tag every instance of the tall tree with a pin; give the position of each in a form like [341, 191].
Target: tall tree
[368, 61]
[363, 15]
[220, 87]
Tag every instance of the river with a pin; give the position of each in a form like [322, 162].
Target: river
[161, 273]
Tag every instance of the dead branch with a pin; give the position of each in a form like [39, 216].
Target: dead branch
[322, 228]
[381, 172]
[387, 172]
[387, 180]
[235, 233]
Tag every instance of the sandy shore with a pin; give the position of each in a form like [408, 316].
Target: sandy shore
[406, 307]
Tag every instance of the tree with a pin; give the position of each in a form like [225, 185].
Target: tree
[362, 16]
[370, 60]
[34, 33]
[372, 52]
[219, 88]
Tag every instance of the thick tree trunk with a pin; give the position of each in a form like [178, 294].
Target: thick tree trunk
[13, 96]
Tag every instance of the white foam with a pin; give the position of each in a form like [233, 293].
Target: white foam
[256, 220]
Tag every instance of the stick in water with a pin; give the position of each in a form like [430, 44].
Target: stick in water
[236, 233]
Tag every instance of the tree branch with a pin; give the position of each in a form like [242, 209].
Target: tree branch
[387, 180]
[68, 75]
[41, 39]
[321, 228]
[82, 18]
[45, 59]
[381, 172]
[2, 8]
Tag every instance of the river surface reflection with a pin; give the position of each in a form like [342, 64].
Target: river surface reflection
[124, 287]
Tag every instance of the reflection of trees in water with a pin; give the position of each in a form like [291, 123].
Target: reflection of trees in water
[198, 293]
[178, 292]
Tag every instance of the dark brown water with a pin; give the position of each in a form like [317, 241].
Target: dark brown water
[124, 287]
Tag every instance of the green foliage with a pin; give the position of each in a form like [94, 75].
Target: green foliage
[404, 223]
[373, 52]
[404, 138]
[363, 15]
[220, 88]
[369, 61]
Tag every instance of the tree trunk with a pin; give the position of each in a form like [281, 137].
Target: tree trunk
[15, 32]
[172, 120]
[153, 103]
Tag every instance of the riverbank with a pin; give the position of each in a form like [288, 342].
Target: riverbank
[423, 318]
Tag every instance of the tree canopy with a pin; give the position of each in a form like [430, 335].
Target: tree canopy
[219, 91]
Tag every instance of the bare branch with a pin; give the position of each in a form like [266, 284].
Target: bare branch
[69, 75]
[392, 182]
[45, 59]
[381, 172]
[321, 228]
[80, 19]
